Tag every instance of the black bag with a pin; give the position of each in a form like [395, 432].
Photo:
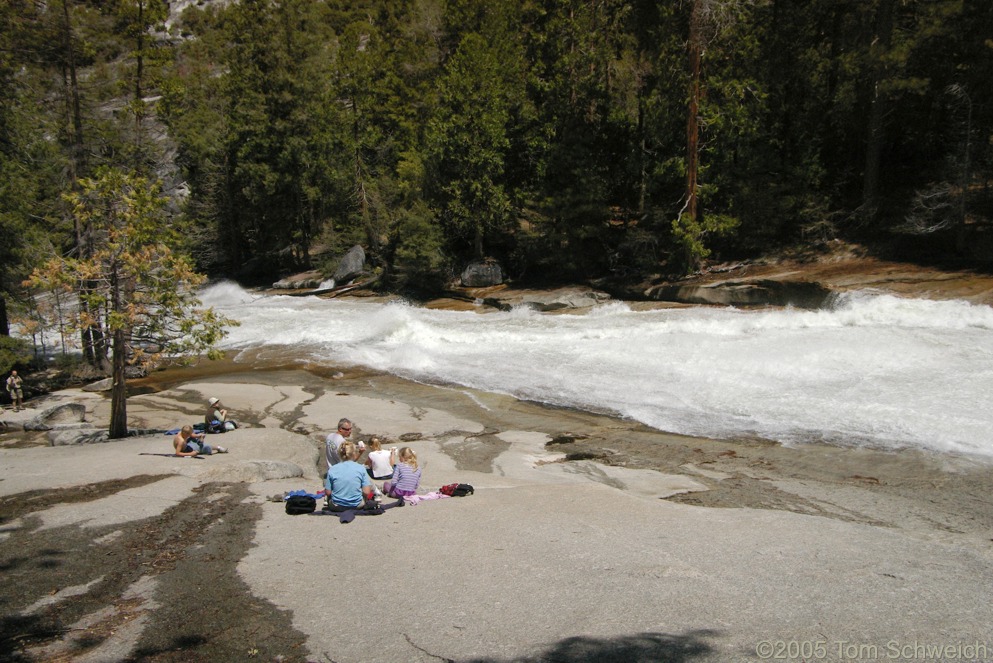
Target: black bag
[297, 504]
[456, 489]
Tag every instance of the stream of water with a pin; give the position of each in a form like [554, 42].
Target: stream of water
[871, 370]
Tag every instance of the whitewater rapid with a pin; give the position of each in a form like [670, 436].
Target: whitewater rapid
[873, 370]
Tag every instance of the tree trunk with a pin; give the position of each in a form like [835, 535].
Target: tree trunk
[119, 391]
[877, 113]
[92, 335]
[692, 127]
[139, 104]
[75, 120]
[642, 155]
[4, 322]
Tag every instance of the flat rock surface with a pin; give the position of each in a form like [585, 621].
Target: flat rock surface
[108, 548]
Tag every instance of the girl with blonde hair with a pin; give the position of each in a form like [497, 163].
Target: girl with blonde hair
[406, 476]
[347, 484]
[380, 461]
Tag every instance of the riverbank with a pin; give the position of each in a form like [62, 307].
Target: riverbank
[587, 537]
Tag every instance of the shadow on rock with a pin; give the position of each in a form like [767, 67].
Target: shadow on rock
[20, 631]
[643, 647]
[181, 646]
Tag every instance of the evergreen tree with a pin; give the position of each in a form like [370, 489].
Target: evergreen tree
[133, 279]
[468, 144]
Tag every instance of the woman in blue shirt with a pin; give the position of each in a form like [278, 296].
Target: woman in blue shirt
[347, 482]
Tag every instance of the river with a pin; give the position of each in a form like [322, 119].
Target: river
[871, 370]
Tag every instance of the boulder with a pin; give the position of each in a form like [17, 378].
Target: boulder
[351, 265]
[559, 299]
[60, 416]
[135, 372]
[482, 274]
[800, 294]
[307, 281]
[101, 385]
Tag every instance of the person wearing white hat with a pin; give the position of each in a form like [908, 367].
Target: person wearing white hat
[217, 416]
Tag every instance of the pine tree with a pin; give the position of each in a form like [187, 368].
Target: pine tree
[134, 279]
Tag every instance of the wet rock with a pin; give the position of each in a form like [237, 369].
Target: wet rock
[801, 294]
[559, 299]
[297, 284]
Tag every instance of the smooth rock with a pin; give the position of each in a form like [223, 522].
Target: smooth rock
[63, 437]
[350, 266]
[67, 413]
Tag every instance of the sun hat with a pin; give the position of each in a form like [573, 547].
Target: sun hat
[214, 401]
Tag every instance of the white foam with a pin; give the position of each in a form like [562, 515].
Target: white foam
[872, 370]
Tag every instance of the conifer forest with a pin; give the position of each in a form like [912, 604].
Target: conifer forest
[566, 139]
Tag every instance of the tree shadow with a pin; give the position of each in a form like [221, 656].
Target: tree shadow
[18, 632]
[639, 648]
[187, 643]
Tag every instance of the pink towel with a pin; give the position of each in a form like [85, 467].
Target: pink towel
[414, 499]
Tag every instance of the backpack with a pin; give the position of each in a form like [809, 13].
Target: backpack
[456, 490]
[215, 427]
[297, 504]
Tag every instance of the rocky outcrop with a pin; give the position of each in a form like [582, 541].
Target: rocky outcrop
[504, 298]
[305, 281]
[100, 385]
[482, 274]
[800, 294]
[64, 416]
[351, 265]
[545, 301]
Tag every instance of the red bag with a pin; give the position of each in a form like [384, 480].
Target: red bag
[449, 489]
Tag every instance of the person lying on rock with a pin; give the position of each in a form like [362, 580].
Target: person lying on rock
[188, 443]
[348, 485]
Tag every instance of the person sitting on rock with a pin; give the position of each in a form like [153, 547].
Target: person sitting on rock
[333, 442]
[217, 417]
[188, 443]
[406, 476]
[380, 462]
[348, 485]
